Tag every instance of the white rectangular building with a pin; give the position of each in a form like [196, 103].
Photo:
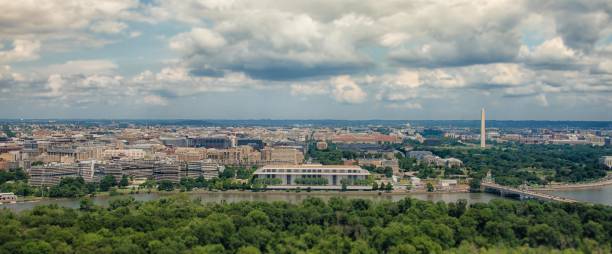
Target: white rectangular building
[314, 176]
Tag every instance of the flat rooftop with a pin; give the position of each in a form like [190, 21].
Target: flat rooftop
[307, 166]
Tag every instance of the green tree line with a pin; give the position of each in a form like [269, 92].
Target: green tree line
[182, 225]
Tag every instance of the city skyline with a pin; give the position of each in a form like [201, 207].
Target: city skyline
[352, 60]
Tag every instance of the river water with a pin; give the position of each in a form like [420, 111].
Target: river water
[291, 197]
[600, 195]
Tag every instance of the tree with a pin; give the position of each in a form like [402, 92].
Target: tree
[179, 224]
[86, 204]
[430, 187]
[475, 185]
[107, 182]
[389, 187]
[165, 185]
[374, 186]
[124, 181]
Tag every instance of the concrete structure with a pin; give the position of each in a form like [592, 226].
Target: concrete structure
[207, 169]
[321, 145]
[51, 175]
[174, 141]
[483, 134]
[606, 161]
[221, 142]
[253, 142]
[446, 184]
[167, 171]
[132, 154]
[523, 194]
[419, 155]
[8, 197]
[366, 139]
[282, 156]
[416, 182]
[334, 176]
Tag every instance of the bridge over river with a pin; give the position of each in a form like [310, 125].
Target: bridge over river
[524, 194]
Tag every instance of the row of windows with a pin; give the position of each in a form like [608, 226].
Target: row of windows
[273, 170]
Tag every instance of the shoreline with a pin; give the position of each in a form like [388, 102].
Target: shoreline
[574, 186]
[245, 192]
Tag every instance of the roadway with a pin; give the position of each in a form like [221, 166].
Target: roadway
[526, 193]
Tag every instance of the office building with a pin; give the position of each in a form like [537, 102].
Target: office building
[221, 142]
[282, 155]
[51, 175]
[207, 169]
[253, 142]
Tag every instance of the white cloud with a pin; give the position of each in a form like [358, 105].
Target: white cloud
[23, 50]
[155, 100]
[85, 67]
[198, 39]
[108, 27]
[310, 89]
[135, 34]
[347, 91]
[551, 54]
[394, 39]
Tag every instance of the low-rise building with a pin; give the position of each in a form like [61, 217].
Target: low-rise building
[8, 197]
[132, 154]
[321, 145]
[419, 154]
[606, 161]
[207, 169]
[52, 174]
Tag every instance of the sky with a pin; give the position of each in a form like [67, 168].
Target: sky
[311, 59]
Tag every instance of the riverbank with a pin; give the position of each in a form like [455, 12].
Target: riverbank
[128, 192]
[268, 196]
[575, 186]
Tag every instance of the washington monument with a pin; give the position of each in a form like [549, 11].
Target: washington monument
[483, 134]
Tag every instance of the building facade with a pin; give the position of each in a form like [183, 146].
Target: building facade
[314, 176]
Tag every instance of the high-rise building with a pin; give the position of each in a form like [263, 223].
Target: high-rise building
[483, 134]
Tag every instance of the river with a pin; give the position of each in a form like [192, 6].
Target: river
[291, 197]
[600, 195]
[597, 195]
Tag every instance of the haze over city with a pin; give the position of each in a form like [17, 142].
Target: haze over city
[541, 60]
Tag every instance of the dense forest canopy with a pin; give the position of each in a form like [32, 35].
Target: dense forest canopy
[182, 225]
[515, 164]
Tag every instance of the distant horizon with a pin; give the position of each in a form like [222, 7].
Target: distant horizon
[302, 119]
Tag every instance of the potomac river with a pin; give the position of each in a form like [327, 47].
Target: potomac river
[599, 195]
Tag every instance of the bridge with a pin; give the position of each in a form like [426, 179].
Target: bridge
[524, 194]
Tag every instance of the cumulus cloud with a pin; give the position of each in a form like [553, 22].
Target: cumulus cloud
[392, 52]
[551, 54]
[32, 17]
[22, 50]
[108, 27]
[345, 90]
[272, 45]
[86, 67]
